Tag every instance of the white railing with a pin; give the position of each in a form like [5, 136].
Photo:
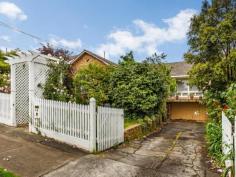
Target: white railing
[76, 124]
[189, 93]
[110, 127]
[5, 111]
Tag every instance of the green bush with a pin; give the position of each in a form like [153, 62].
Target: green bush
[5, 173]
[92, 81]
[140, 88]
[59, 83]
[230, 105]
[214, 140]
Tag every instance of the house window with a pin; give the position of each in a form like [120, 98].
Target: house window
[182, 86]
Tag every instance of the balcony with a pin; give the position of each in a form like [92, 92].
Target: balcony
[186, 96]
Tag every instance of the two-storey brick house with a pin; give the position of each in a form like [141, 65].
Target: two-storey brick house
[186, 102]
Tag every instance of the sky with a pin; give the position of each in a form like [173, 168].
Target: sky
[111, 26]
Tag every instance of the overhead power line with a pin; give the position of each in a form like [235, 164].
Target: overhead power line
[39, 39]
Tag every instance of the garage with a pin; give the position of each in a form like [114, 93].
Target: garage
[187, 110]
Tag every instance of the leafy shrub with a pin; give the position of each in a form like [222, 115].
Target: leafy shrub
[214, 140]
[230, 105]
[92, 81]
[59, 83]
[140, 88]
[5, 173]
[5, 70]
[214, 103]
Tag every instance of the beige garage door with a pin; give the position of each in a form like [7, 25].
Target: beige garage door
[187, 111]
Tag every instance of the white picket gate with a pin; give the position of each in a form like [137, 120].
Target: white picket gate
[78, 125]
[110, 127]
[5, 109]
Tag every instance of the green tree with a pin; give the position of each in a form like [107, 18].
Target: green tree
[92, 81]
[212, 41]
[5, 67]
[140, 88]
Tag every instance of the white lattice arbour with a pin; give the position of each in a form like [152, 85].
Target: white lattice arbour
[5, 111]
[28, 73]
[110, 127]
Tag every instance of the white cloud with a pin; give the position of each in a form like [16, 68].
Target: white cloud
[12, 11]
[150, 36]
[5, 38]
[70, 44]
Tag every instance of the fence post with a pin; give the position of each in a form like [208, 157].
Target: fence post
[13, 95]
[92, 113]
[31, 93]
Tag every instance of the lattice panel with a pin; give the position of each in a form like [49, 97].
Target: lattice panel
[41, 74]
[22, 93]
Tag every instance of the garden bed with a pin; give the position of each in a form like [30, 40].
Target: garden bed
[137, 130]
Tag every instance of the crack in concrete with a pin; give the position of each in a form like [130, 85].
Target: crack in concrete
[169, 150]
[192, 165]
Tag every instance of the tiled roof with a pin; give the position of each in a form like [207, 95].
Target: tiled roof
[179, 68]
[104, 60]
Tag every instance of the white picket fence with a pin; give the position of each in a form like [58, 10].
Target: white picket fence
[228, 141]
[78, 125]
[5, 111]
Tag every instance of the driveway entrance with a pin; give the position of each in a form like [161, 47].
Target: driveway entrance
[177, 151]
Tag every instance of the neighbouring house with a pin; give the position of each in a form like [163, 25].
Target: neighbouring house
[87, 57]
[185, 103]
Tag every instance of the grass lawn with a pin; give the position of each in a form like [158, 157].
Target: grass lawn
[130, 122]
[5, 173]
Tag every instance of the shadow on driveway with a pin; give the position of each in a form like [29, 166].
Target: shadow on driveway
[29, 155]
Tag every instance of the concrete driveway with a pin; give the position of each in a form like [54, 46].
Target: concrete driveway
[177, 151]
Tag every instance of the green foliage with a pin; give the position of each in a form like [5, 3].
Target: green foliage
[92, 81]
[129, 122]
[231, 97]
[59, 83]
[140, 88]
[214, 142]
[5, 173]
[213, 102]
[5, 68]
[230, 102]
[212, 41]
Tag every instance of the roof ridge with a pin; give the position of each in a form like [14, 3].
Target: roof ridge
[93, 54]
